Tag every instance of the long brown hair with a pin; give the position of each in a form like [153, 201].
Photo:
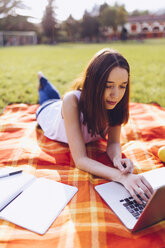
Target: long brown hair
[92, 84]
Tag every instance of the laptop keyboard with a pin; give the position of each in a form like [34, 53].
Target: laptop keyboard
[133, 207]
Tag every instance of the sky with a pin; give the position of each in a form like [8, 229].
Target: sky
[77, 7]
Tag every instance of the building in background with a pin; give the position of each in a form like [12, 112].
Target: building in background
[17, 38]
[138, 27]
[146, 26]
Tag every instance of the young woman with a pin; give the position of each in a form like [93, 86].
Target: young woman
[96, 108]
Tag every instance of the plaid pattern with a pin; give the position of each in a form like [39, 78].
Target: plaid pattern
[86, 221]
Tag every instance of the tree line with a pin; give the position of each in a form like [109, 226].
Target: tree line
[94, 26]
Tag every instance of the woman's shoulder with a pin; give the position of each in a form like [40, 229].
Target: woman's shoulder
[74, 94]
[70, 106]
[77, 93]
[71, 99]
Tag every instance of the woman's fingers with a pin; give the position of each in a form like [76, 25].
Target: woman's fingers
[117, 163]
[139, 188]
[148, 185]
[144, 192]
[124, 165]
[143, 189]
[134, 195]
[128, 166]
[140, 192]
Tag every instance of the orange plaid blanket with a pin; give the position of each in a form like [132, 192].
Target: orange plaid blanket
[86, 222]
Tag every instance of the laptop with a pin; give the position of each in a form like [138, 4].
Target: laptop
[133, 215]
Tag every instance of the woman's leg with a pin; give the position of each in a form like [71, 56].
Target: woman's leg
[47, 91]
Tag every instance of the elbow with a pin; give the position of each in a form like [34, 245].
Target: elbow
[80, 163]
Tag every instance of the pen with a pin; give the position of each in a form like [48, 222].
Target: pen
[10, 174]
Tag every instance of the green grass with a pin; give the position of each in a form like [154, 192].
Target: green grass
[64, 62]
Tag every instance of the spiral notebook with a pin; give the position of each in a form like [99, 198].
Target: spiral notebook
[32, 203]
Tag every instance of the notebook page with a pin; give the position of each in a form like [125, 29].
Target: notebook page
[38, 206]
[11, 186]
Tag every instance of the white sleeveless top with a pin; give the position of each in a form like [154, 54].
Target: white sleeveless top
[52, 123]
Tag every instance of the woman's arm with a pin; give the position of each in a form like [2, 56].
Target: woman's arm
[76, 142]
[135, 184]
[114, 150]
[77, 147]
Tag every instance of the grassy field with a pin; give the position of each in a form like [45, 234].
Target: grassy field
[64, 62]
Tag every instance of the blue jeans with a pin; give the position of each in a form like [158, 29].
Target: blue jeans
[48, 94]
[47, 91]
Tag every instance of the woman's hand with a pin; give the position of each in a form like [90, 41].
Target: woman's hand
[137, 184]
[125, 165]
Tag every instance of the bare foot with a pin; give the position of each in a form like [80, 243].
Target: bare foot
[40, 74]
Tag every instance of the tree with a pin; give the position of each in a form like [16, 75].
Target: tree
[7, 7]
[49, 22]
[121, 15]
[90, 26]
[10, 20]
[72, 28]
[16, 23]
[139, 13]
[113, 16]
[103, 7]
